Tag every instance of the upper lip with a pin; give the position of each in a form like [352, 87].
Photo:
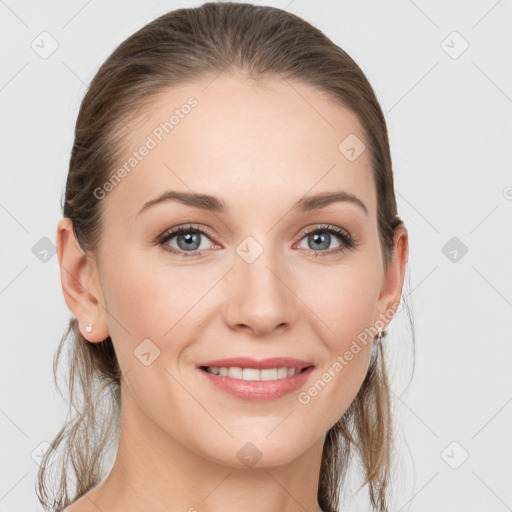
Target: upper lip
[260, 364]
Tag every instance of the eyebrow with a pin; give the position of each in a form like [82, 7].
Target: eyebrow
[215, 204]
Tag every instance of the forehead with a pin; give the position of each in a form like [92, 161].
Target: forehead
[268, 140]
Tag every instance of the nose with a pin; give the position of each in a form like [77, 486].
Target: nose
[260, 299]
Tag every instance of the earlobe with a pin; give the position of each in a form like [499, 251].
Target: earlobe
[81, 291]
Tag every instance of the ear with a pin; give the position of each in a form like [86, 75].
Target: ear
[391, 290]
[80, 284]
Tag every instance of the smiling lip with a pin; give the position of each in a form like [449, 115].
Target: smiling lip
[261, 390]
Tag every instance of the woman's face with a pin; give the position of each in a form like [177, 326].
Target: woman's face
[255, 284]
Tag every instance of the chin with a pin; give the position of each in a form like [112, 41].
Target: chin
[257, 451]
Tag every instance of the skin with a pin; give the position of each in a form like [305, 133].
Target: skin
[260, 146]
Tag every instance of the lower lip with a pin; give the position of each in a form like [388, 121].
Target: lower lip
[258, 390]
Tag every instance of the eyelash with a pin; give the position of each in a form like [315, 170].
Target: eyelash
[347, 241]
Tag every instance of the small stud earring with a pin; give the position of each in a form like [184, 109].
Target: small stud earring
[89, 328]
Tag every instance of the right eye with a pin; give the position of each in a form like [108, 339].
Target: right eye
[188, 240]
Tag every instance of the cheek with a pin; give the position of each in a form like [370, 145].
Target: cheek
[149, 299]
[343, 301]
[342, 304]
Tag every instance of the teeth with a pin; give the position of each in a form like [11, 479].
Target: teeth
[250, 374]
[235, 372]
[282, 373]
[269, 374]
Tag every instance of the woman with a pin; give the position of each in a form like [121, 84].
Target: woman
[231, 253]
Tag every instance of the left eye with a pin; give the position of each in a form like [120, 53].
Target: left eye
[321, 238]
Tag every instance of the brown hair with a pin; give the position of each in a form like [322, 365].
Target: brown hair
[179, 46]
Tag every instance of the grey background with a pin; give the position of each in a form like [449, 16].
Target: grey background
[449, 116]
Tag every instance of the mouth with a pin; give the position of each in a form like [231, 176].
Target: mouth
[254, 380]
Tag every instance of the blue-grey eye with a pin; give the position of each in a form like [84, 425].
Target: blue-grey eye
[187, 240]
[320, 240]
